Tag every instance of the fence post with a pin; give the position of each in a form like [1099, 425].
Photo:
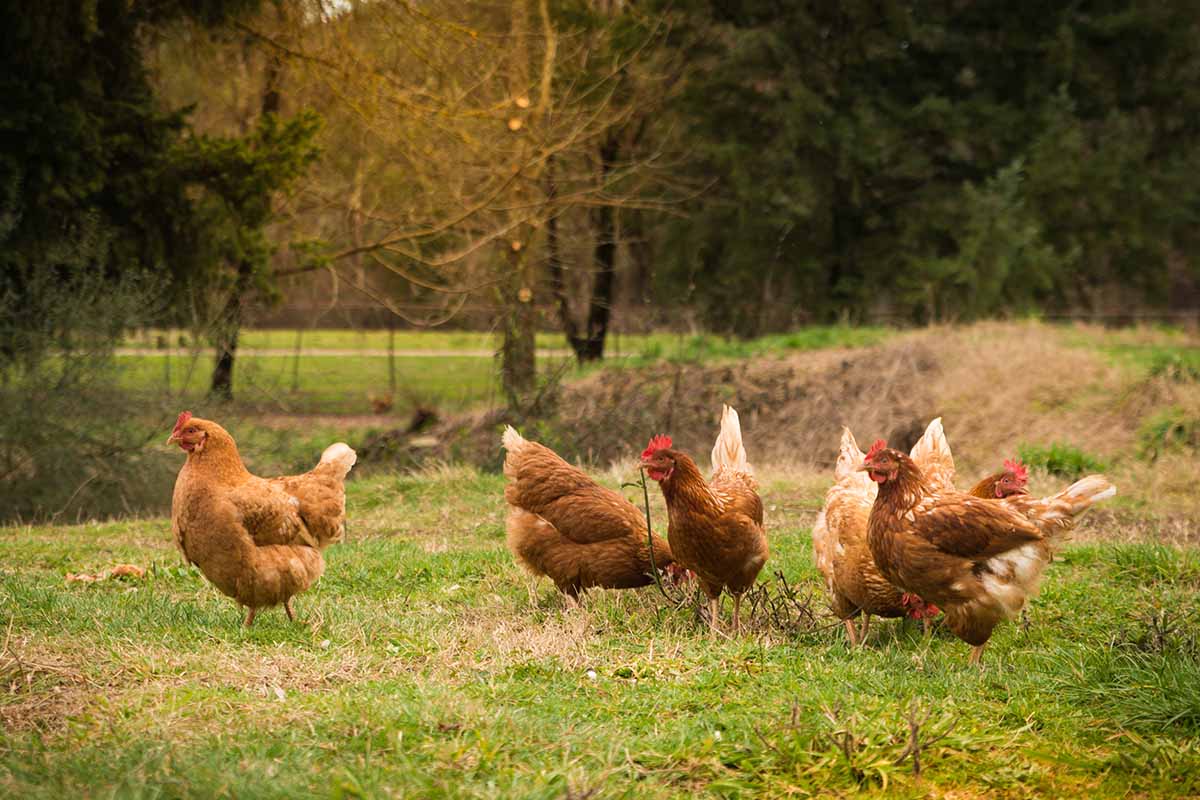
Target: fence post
[392, 356]
[296, 362]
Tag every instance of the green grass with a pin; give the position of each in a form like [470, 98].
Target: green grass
[1152, 351]
[707, 347]
[428, 666]
[1058, 458]
[343, 384]
[344, 339]
[674, 346]
[319, 384]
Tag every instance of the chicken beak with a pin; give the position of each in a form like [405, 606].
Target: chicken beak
[174, 437]
[864, 468]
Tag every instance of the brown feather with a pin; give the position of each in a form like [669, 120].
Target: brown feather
[564, 525]
[715, 530]
[259, 541]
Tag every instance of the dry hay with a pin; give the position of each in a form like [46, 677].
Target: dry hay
[995, 383]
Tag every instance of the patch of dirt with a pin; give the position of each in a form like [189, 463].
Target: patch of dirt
[287, 422]
[792, 409]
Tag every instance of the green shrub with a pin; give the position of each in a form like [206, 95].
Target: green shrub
[1170, 429]
[1182, 366]
[1060, 459]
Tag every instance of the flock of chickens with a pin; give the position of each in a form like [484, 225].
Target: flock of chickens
[895, 537]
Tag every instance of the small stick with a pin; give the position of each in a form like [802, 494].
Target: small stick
[650, 534]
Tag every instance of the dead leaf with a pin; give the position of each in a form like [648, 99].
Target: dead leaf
[119, 571]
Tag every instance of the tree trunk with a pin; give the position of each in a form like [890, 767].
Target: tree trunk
[634, 226]
[227, 341]
[558, 272]
[231, 318]
[518, 349]
[600, 307]
[590, 345]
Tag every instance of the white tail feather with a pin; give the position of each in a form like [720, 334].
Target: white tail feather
[850, 457]
[340, 455]
[932, 454]
[1086, 491]
[1056, 514]
[728, 450]
[511, 439]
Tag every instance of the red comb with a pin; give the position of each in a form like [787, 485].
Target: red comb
[1019, 471]
[184, 418]
[879, 445]
[659, 442]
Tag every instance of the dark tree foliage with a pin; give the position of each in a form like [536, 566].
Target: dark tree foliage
[935, 160]
[97, 179]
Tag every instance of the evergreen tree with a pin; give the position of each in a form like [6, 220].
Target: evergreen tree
[935, 161]
[97, 180]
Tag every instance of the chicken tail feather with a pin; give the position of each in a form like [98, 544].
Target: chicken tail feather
[932, 454]
[850, 457]
[511, 439]
[728, 450]
[341, 456]
[1060, 510]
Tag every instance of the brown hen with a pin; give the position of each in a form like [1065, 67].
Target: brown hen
[840, 537]
[564, 525]
[716, 527]
[258, 540]
[1005, 483]
[979, 560]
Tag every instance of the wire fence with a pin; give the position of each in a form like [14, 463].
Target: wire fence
[361, 367]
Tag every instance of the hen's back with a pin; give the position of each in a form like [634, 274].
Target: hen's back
[321, 493]
[542, 483]
[932, 454]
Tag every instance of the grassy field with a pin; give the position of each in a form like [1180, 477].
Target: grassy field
[318, 384]
[651, 345]
[346, 382]
[428, 665]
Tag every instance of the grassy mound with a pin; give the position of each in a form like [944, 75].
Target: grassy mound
[1003, 389]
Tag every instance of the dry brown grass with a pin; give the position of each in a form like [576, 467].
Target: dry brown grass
[996, 385]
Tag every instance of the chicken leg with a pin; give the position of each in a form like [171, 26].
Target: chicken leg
[287, 607]
[737, 614]
[250, 612]
[714, 611]
[851, 632]
[976, 655]
[866, 625]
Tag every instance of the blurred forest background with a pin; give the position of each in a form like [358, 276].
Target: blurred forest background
[184, 174]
